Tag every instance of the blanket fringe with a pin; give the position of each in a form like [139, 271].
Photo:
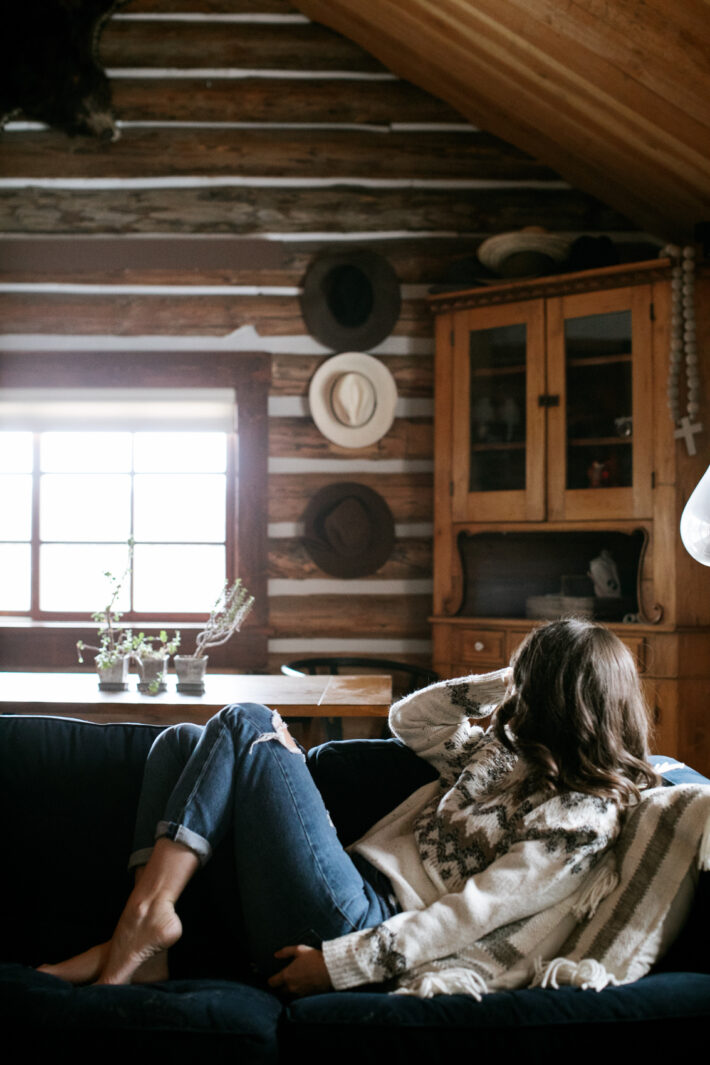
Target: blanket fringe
[601, 886]
[587, 974]
[446, 982]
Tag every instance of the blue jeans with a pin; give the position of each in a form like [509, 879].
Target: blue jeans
[236, 779]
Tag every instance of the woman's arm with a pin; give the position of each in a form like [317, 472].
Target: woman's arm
[434, 721]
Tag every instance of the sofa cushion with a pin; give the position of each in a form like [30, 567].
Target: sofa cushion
[362, 780]
[178, 1021]
[655, 1015]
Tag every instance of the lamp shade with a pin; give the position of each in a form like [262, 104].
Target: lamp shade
[695, 521]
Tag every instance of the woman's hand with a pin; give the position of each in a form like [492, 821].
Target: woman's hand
[305, 975]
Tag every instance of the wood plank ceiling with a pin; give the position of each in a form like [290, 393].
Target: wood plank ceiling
[612, 94]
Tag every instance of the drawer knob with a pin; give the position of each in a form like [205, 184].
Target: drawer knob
[479, 645]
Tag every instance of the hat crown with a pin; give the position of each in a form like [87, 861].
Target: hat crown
[353, 399]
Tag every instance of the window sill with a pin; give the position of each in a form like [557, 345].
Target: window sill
[51, 645]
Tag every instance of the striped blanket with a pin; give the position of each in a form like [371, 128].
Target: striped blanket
[664, 843]
[614, 928]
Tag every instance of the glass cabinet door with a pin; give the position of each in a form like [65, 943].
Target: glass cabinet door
[498, 370]
[598, 453]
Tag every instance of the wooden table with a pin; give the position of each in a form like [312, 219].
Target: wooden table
[77, 695]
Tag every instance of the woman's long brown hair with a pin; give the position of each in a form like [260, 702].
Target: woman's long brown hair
[576, 711]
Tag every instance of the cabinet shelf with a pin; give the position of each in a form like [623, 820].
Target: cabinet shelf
[598, 360]
[601, 441]
[513, 445]
[498, 371]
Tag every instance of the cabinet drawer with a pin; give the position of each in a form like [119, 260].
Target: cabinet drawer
[637, 646]
[482, 647]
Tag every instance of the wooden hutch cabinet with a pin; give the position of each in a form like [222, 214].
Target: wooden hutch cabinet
[553, 448]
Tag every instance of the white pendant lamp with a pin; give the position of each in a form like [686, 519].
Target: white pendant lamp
[695, 521]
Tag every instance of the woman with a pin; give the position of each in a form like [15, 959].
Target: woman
[520, 815]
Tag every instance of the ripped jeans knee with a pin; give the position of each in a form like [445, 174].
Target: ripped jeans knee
[266, 720]
[281, 734]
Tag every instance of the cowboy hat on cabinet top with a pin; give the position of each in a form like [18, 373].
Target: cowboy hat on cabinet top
[350, 299]
[352, 399]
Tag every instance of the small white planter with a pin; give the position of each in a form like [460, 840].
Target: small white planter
[114, 678]
[191, 674]
[153, 675]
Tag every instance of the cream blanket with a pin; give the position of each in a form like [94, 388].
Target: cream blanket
[614, 928]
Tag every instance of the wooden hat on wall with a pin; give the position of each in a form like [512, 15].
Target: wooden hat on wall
[349, 529]
[350, 299]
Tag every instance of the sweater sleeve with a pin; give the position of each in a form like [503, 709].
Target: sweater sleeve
[435, 721]
[537, 872]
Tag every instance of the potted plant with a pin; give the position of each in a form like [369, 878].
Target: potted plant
[226, 617]
[152, 654]
[115, 650]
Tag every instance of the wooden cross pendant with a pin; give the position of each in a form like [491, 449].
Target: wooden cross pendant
[687, 432]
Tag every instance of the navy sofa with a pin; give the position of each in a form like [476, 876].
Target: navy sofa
[68, 792]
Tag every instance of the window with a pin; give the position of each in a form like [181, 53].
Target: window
[89, 461]
[73, 499]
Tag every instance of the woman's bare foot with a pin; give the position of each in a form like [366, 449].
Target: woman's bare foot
[83, 968]
[138, 948]
[147, 928]
[136, 953]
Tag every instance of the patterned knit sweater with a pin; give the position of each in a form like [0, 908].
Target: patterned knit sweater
[473, 856]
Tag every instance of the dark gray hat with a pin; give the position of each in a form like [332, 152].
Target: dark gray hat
[350, 299]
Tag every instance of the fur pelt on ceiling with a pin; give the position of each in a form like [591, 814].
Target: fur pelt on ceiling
[49, 68]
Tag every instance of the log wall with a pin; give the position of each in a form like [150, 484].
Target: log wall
[251, 139]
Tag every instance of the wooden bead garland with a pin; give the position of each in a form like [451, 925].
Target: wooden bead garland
[683, 343]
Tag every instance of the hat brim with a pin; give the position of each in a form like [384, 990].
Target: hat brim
[376, 278]
[320, 392]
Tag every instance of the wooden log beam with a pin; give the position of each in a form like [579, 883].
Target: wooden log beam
[409, 495]
[225, 260]
[414, 375]
[339, 209]
[411, 559]
[210, 7]
[368, 616]
[180, 315]
[408, 438]
[332, 153]
[270, 46]
[275, 100]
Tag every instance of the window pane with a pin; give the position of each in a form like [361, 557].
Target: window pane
[85, 507]
[180, 507]
[15, 573]
[16, 452]
[16, 511]
[73, 576]
[85, 452]
[180, 452]
[498, 370]
[176, 579]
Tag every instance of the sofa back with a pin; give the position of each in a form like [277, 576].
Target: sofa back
[69, 791]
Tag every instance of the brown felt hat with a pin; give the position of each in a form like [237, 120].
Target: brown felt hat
[350, 299]
[349, 530]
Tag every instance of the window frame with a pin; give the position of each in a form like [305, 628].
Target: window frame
[50, 641]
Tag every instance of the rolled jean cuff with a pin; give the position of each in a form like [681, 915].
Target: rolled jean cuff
[194, 842]
[140, 857]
